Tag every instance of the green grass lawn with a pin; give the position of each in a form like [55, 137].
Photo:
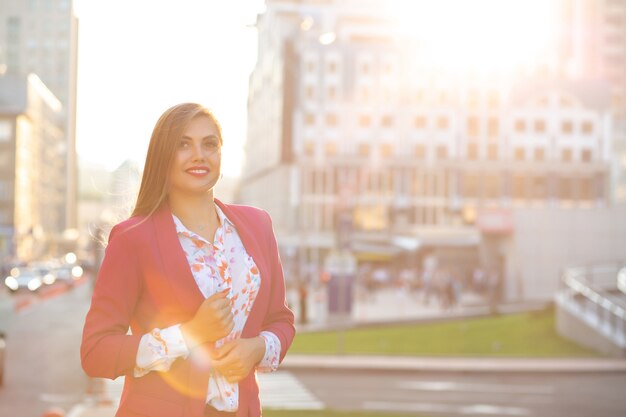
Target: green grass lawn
[524, 335]
[330, 413]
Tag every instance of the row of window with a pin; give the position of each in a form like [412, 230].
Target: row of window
[473, 124]
[470, 185]
[472, 152]
[364, 67]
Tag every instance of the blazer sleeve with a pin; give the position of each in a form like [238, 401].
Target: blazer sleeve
[107, 351]
[279, 319]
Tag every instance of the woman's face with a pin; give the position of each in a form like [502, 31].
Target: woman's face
[197, 158]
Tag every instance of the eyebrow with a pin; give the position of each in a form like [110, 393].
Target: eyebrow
[206, 137]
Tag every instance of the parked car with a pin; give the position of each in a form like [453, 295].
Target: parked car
[24, 278]
[6, 311]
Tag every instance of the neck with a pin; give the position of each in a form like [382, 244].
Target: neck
[196, 209]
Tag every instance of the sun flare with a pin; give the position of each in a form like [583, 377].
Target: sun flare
[485, 36]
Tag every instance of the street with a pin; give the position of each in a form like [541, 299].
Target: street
[484, 394]
[43, 362]
[43, 370]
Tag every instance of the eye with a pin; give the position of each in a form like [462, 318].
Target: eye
[183, 144]
[212, 145]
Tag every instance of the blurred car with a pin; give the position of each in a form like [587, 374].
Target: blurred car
[45, 270]
[6, 311]
[68, 273]
[24, 278]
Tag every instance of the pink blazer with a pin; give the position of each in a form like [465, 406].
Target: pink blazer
[145, 282]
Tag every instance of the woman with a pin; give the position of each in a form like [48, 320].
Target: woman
[198, 282]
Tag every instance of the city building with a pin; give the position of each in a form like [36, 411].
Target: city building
[32, 168]
[41, 37]
[593, 45]
[356, 141]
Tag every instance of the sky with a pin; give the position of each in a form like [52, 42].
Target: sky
[137, 58]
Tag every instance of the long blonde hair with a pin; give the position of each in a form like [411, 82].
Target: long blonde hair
[168, 129]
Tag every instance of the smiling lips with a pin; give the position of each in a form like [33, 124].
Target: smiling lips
[197, 171]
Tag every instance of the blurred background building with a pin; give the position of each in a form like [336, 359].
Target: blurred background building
[356, 140]
[38, 64]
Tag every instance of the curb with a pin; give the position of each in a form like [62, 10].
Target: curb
[455, 364]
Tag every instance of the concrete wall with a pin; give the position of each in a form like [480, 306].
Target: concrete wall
[546, 240]
[572, 327]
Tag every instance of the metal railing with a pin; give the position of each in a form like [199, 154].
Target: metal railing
[586, 294]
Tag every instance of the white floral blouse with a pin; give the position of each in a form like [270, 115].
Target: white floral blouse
[215, 267]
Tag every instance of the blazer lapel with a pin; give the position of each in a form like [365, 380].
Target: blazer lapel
[174, 260]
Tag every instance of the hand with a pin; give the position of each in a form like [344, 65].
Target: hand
[212, 321]
[235, 359]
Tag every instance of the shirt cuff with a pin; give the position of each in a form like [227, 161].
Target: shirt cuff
[159, 349]
[270, 360]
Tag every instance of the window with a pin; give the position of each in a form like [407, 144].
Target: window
[520, 126]
[420, 151]
[310, 66]
[332, 92]
[6, 130]
[331, 119]
[472, 127]
[614, 20]
[365, 120]
[365, 68]
[519, 154]
[566, 155]
[586, 155]
[472, 151]
[364, 93]
[420, 96]
[587, 127]
[493, 127]
[6, 192]
[310, 92]
[442, 123]
[566, 102]
[540, 126]
[364, 149]
[492, 152]
[615, 39]
[442, 152]
[330, 148]
[386, 150]
[309, 119]
[420, 122]
[493, 100]
[586, 189]
[518, 187]
[472, 99]
[309, 148]
[566, 191]
[540, 190]
[332, 67]
[471, 185]
[387, 121]
[443, 98]
[493, 186]
[543, 101]
[6, 160]
[567, 127]
[540, 154]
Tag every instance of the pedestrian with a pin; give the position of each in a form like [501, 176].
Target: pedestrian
[198, 282]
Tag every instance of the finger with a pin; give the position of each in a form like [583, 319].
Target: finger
[223, 351]
[219, 295]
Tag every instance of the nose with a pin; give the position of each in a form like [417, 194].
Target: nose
[198, 152]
